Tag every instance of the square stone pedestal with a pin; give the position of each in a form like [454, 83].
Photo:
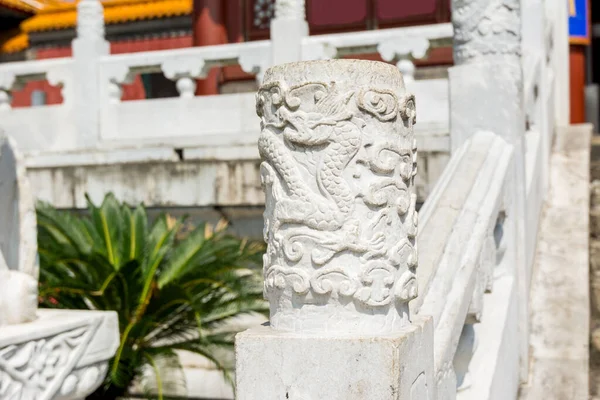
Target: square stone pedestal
[274, 365]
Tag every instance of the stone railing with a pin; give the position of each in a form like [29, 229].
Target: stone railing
[31, 126]
[400, 45]
[351, 296]
[14, 75]
[462, 251]
[44, 354]
[341, 264]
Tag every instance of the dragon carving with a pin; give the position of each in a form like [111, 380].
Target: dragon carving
[339, 161]
[332, 125]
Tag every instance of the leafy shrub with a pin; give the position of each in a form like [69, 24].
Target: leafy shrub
[173, 288]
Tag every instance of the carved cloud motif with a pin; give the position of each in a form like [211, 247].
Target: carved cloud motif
[338, 170]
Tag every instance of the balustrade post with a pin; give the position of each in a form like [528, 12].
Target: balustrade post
[403, 53]
[5, 99]
[486, 94]
[407, 67]
[559, 12]
[288, 28]
[339, 162]
[88, 47]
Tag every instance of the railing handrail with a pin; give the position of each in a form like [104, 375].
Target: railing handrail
[453, 281]
[196, 60]
[22, 71]
[353, 42]
[251, 56]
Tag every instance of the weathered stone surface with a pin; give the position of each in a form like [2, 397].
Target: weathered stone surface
[18, 297]
[339, 162]
[486, 93]
[18, 234]
[62, 355]
[560, 297]
[340, 222]
[219, 175]
[18, 240]
[485, 28]
[275, 365]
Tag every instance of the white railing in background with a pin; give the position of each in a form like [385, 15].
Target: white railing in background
[400, 45]
[92, 118]
[175, 121]
[180, 65]
[43, 127]
[540, 54]
[14, 75]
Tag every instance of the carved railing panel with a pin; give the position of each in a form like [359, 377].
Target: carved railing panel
[13, 76]
[63, 355]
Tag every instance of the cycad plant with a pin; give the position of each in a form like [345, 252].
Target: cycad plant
[173, 289]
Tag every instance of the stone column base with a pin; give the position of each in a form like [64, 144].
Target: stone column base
[275, 365]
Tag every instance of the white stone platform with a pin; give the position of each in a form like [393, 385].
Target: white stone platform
[560, 301]
[336, 367]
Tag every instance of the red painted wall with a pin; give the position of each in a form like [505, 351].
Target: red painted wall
[133, 91]
[337, 15]
[577, 83]
[330, 16]
[208, 26]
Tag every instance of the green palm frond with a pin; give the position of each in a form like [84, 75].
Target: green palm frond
[175, 287]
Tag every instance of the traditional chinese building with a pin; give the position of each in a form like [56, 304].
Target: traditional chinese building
[13, 42]
[45, 30]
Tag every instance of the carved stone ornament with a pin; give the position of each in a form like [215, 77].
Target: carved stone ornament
[63, 355]
[290, 9]
[486, 27]
[90, 20]
[339, 161]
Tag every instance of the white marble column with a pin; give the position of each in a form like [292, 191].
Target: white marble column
[88, 47]
[339, 161]
[486, 85]
[486, 94]
[288, 28]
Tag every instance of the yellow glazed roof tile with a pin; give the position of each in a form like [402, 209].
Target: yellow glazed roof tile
[14, 44]
[64, 15]
[28, 6]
